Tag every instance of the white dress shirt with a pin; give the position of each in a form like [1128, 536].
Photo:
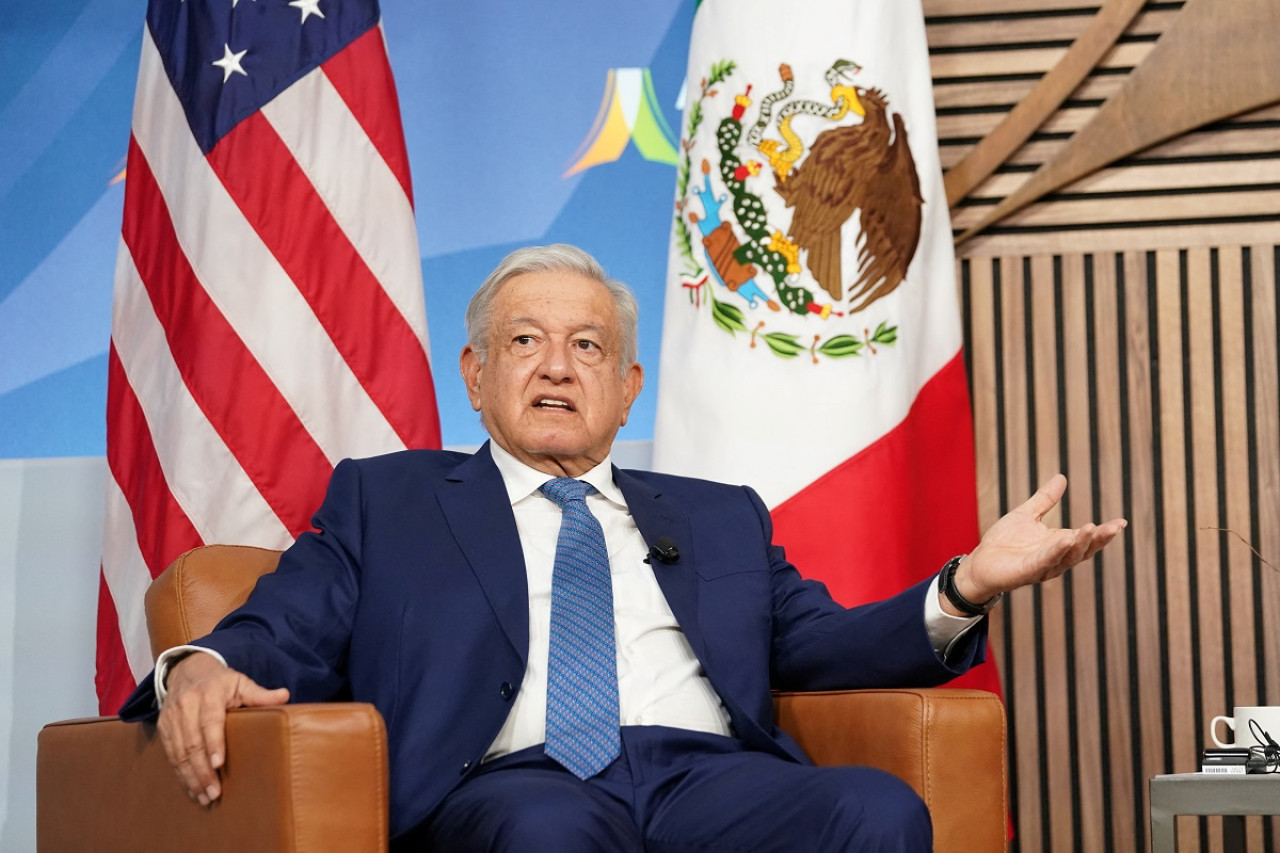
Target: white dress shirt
[660, 681]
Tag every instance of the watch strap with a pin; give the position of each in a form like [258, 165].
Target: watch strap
[947, 582]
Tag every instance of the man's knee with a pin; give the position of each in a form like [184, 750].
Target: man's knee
[558, 825]
[882, 813]
[532, 815]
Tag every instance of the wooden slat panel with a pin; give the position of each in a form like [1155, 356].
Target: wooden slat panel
[1053, 697]
[999, 95]
[1259, 141]
[982, 381]
[1030, 61]
[958, 8]
[1244, 688]
[1222, 145]
[1020, 608]
[1119, 685]
[1083, 584]
[1146, 654]
[1050, 28]
[1266, 413]
[1119, 238]
[1146, 364]
[975, 125]
[1170, 208]
[1149, 178]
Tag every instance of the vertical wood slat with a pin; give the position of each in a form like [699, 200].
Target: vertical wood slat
[1143, 583]
[1081, 588]
[1151, 379]
[1047, 602]
[1015, 456]
[1105, 422]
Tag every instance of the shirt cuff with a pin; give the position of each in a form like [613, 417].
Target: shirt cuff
[944, 629]
[171, 656]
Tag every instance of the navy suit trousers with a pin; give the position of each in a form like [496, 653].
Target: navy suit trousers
[675, 790]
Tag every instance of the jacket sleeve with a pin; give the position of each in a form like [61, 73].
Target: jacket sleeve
[819, 644]
[294, 629]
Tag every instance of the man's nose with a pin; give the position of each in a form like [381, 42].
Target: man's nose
[557, 361]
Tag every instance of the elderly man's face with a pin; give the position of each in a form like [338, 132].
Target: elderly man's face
[551, 392]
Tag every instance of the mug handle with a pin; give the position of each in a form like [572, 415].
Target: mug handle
[1213, 731]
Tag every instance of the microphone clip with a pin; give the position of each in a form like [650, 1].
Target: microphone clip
[664, 551]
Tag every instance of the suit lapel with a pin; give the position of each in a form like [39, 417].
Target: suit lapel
[657, 516]
[476, 505]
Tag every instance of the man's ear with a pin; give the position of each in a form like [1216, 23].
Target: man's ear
[631, 384]
[470, 367]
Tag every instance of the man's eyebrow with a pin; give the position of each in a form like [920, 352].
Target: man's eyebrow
[597, 328]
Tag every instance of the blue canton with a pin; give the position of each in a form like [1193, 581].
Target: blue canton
[270, 44]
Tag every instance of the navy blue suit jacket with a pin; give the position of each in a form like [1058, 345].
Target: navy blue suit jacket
[412, 596]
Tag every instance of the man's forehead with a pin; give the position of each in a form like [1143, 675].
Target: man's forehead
[558, 324]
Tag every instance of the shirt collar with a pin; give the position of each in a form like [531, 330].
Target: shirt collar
[522, 480]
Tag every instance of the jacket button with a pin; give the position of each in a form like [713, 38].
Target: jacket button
[506, 691]
[466, 768]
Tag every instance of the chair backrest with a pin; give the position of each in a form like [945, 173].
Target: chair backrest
[191, 596]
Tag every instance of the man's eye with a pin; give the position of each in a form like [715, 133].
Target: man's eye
[524, 340]
[585, 345]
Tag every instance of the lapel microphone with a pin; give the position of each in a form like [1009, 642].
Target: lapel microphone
[664, 551]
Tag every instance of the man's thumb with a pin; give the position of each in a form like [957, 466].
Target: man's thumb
[253, 695]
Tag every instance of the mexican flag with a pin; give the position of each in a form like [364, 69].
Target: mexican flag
[812, 341]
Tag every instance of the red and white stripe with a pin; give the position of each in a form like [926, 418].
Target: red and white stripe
[268, 321]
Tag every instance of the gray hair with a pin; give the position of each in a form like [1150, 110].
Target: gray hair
[558, 257]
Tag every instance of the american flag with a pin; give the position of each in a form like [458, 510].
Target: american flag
[268, 317]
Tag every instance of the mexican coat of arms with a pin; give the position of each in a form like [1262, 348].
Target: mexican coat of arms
[760, 217]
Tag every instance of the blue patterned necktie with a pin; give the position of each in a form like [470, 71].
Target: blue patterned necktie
[582, 664]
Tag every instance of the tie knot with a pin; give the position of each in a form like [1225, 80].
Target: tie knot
[564, 490]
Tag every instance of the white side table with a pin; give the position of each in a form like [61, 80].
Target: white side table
[1232, 796]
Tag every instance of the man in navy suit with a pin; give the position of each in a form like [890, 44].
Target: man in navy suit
[427, 590]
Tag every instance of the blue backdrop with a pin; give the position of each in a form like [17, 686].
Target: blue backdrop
[498, 98]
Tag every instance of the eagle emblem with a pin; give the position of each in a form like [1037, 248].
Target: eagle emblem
[764, 222]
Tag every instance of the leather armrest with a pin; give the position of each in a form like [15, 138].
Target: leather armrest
[191, 596]
[297, 777]
[949, 745]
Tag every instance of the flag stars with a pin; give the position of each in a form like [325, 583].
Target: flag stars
[230, 63]
[308, 8]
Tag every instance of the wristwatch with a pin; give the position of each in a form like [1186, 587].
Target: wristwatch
[947, 582]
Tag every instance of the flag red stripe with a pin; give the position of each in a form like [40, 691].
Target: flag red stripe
[892, 514]
[896, 511]
[163, 529]
[283, 207]
[234, 393]
[113, 678]
[362, 75]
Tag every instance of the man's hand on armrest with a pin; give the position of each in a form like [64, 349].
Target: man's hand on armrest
[193, 718]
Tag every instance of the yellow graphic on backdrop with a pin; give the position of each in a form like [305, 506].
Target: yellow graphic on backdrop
[629, 111]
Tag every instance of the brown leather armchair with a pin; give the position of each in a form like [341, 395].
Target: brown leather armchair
[314, 776]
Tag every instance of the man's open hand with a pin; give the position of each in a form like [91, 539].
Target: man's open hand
[193, 720]
[1021, 549]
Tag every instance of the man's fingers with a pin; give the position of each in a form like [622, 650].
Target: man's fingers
[184, 731]
[1088, 541]
[193, 723]
[1103, 535]
[1046, 497]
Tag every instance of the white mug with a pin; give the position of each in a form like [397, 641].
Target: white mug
[1267, 716]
